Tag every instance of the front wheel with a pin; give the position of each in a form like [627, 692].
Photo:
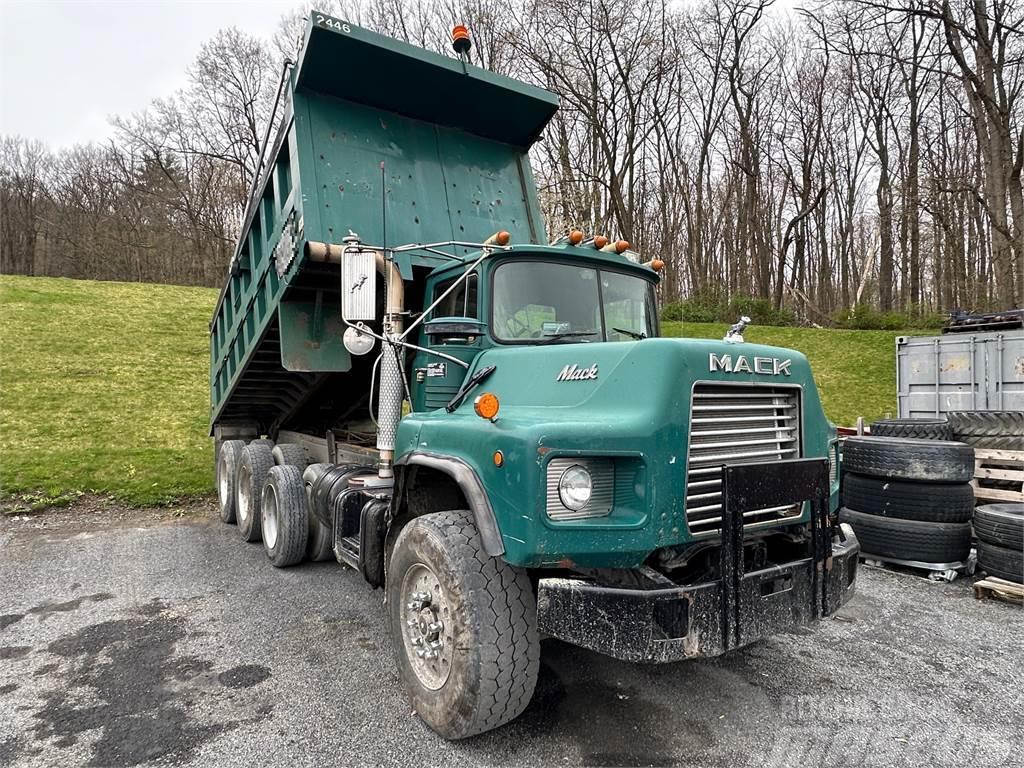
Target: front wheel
[464, 626]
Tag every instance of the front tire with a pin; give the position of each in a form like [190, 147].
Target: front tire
[464, 626]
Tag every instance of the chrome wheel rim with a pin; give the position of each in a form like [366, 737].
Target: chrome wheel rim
[270, 516]
[223, 486]
[244, 499]
[426, 627]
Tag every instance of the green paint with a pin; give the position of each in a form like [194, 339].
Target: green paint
[637, 411]
[311, 337]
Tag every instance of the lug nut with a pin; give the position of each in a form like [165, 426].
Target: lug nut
[417, 641]
[435, 627]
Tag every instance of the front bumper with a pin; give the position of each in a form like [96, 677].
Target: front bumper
[665, 625]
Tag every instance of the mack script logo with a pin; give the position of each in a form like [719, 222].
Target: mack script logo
[771, 366]
[575, 373]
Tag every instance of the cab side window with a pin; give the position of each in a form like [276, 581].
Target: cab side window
[462, 302]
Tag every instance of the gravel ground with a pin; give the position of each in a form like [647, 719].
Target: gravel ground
[164, 640]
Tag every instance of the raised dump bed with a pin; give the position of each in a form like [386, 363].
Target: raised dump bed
[398, 144]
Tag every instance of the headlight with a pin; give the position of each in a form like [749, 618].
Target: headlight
[575, 487]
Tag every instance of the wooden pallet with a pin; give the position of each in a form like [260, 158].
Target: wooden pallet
[1001, 589]
[998, 465]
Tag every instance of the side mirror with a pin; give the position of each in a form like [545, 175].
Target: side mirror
[358, 285]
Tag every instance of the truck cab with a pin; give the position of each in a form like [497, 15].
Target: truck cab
[406, 377]
[532, 296]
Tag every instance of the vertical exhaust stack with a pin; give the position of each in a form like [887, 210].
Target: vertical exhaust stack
[392, 386]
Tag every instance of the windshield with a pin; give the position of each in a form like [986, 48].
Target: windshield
[548, 301]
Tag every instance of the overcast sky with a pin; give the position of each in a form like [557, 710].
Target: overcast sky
[66, 65]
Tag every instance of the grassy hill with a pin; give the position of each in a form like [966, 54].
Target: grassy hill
[104, 386]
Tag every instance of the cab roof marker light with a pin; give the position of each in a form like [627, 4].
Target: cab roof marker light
[619, 246]
[656, 264]
[498, 238]
[573, 237]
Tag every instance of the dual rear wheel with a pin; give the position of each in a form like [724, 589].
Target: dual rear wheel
[260, 487]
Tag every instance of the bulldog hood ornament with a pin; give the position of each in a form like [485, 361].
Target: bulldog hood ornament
[735, 334]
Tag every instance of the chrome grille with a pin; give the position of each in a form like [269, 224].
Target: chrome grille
[742, 424]
[602, 495]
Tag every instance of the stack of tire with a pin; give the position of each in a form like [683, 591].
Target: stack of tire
[906, 492]
[999, 528]
[1000, 532]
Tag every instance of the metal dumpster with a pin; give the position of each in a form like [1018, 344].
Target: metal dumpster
[959, 372]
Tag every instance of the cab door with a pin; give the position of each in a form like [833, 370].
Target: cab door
[434, 379]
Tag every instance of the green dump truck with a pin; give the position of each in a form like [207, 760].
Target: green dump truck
[408, 378]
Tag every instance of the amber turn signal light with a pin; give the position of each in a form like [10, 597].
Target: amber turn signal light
[486, 405]
[499, 458]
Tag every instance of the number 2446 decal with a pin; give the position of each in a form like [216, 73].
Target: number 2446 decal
[327, 21]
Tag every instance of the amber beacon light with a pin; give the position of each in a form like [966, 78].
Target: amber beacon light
[460, 39]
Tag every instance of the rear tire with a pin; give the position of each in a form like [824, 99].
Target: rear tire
[909, 539]
[252, 474]
[929, 502]
[284, 510]
[1001, 562]
[290, 454]
[900, 458]
[320, 542]
[920, 429]
[484, 615]
[228, 459]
